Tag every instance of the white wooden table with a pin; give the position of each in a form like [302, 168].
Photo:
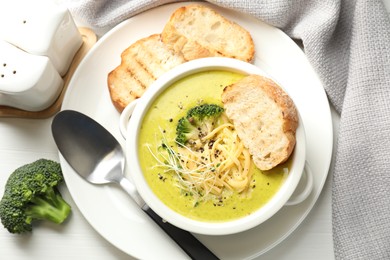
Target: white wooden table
[23, 141]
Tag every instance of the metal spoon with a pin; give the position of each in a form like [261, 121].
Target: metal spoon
[98, 157]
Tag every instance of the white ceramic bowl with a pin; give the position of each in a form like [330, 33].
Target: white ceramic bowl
[138, 109]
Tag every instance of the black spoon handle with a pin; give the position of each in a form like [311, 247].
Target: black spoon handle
[192, 246]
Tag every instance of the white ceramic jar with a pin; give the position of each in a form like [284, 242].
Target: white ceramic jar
[39, 40]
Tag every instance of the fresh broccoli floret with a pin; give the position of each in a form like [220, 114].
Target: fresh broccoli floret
[31, 194]
[198, 122]
[185, 131]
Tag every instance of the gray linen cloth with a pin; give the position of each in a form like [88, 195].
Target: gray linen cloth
[348, 44]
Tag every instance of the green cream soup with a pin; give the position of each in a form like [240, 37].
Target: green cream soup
[160, 122]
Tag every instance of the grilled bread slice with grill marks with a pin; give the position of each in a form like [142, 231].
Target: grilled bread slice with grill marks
[141, 64]
[264, 117]
[197, 31]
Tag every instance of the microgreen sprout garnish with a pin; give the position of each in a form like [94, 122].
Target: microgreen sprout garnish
[190, 180]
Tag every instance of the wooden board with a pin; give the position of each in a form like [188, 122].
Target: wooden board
[89, 39]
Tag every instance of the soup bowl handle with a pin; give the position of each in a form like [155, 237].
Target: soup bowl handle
[125, 117]
[301, 194]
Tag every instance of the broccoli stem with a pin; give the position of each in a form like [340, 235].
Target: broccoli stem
[48, 206]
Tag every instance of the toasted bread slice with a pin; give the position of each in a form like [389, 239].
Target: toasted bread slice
[141, 64]
[264, 117]
[197, 31]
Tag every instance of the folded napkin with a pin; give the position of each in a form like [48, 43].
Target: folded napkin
[348, 44]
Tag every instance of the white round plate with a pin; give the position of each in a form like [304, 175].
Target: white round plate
[111, 211]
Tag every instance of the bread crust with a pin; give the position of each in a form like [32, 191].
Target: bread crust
[264, 117]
